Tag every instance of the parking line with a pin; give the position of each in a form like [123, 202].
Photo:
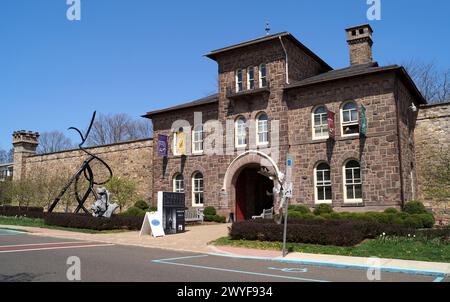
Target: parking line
[438, 279]
[49, 246]
[165, 261]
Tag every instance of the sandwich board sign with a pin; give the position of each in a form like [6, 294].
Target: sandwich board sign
[153, 225]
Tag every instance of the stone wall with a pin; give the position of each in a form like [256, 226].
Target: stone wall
[130, 160]
[432, 132]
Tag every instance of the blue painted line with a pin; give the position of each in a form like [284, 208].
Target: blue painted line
[10, 232]
[438, 279]
[338, 265]
[166, 261]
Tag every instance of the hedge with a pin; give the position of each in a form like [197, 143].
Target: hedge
[327, 232]
[30, 212]
[84, 221]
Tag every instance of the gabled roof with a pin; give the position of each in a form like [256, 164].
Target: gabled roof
[199, 102]
[213, 54]
[359, 70]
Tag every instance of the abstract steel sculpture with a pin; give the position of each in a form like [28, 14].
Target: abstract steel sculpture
[86, 171]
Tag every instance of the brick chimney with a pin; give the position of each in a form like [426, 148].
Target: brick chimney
[359, 39]
[25, 144]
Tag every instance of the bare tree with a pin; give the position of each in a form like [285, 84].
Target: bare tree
[115, 128]
[53, 141]
[433, 82]
[6, 157]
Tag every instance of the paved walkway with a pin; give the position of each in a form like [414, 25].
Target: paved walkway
[195, 239]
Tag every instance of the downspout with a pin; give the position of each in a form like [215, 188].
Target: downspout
[402, 193]
[287, 60]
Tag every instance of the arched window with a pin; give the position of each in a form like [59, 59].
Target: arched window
[179, 142]
[240, 132]
[178, 183]
[197, 139]
[320, 123]
[197, 189]
[352, 182]
[322, 178]
[262, 136]
[349, 119]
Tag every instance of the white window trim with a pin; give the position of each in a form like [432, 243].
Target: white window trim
[236, 133]
[348, 124]
[261, 77]
[194, 151]
[316, 193]
[344, 177]
[195, 205]
[237, 80]
[174, 149]
[250, 68]
[259, 143]
[175, 181]
[314, 137]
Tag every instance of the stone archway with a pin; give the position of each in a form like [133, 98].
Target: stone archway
[244, 168]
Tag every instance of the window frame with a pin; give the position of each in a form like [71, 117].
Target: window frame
[313, 120]
[316, 185]
[250, 80]
[351, 123]
[195, 191]
[195, 141]
[174, 144]
[176, 182]
[258, 142]
[239, 83]
[354, 184]
[237, 135]
[261, 77]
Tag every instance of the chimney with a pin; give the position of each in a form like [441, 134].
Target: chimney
[25, 144]
[359, 39]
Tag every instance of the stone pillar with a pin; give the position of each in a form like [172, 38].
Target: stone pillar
[25, 144]
[359, 39]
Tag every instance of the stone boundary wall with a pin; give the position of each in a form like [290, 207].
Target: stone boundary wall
[131, 160]
[432, 130]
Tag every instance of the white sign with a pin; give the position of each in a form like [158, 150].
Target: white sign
[288, 192]
[153, 225]
[289, 165]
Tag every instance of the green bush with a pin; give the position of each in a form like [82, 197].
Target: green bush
[299, 208]
[210, 211]
[391, 211]
[413, 221]
[215, 218]
[428, 220]
[134, 211]
[299, 215]
[323, 209]
[153, 209]
[140, 204]
[415, 207]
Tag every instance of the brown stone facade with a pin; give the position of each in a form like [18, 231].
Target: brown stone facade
[131, 160]
[385, 153]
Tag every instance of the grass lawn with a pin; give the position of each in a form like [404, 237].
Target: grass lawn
[39, 223]
[395, 248]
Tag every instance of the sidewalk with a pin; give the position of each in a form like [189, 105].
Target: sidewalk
[393, 265]
[195, 239]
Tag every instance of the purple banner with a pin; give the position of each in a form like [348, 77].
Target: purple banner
[163, 145]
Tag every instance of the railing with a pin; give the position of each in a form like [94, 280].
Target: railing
[194, 215]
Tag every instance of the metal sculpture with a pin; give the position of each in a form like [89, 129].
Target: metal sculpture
[86, 171]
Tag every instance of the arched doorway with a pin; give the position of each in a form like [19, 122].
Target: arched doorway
[254, 193]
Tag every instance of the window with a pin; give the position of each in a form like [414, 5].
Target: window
[197, 189]
[322, 178]
[262, 136]
[320, 123]
[241, 132]
[178, 183]
[197, 139]
[353, 183]
[179, 142]
[350, 119]
[250, 78]
[239, 84]
[262, 76]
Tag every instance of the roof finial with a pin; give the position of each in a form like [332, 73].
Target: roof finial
[267, 28]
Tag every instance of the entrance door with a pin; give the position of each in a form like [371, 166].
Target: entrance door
[253, 194]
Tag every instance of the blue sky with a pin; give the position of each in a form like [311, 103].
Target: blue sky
[133, 56]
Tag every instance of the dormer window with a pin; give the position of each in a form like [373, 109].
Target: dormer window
[239, 84]
[262, 76]
[250, 78]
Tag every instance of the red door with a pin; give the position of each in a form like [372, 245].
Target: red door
[240, 197]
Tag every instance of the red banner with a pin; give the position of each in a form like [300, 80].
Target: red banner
[331, 124]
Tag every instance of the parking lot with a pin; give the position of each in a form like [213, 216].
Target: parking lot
[24, 257]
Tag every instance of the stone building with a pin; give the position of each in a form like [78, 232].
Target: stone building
[276, 97]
